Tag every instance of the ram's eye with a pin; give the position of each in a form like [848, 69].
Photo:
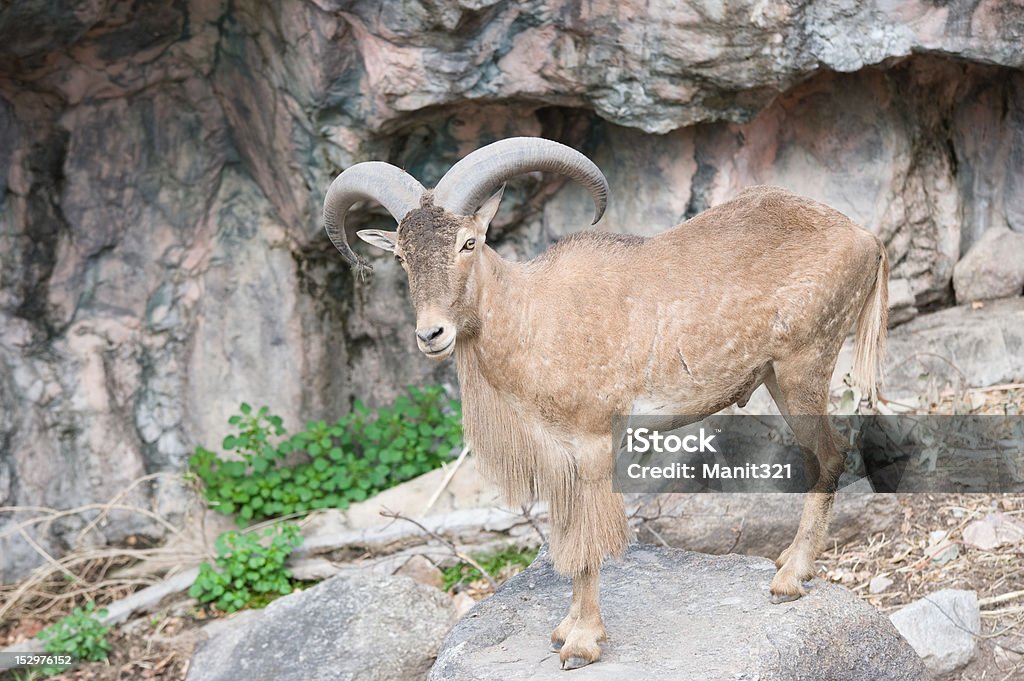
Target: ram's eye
[400, 259]
[468, 246]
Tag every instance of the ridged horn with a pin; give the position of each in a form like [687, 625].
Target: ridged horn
[471, 180]
[392, 187]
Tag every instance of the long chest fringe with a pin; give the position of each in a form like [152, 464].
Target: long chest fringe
[513, 449]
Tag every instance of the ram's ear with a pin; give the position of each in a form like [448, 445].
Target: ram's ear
[489, 209]
[379, 238]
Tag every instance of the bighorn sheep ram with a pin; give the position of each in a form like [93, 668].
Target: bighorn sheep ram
[759, 290]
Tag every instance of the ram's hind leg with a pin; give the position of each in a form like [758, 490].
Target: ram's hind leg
[588, 523]
[801, 393]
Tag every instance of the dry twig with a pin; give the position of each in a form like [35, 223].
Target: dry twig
[464, 557]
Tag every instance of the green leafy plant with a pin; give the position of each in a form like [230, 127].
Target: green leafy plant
[80, 635]
[500, 564]
[327, 465]
[250, 568]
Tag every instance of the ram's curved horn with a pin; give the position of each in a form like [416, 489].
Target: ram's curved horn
[392, 187]
[471, 180]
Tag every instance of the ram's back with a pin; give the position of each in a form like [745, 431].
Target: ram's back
[701, 308]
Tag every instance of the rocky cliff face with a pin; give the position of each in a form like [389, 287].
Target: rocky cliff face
[163, 164]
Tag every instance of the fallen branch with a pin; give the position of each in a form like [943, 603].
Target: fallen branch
[384, 539]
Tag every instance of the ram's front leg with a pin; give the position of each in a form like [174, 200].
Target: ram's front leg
[588, 524]
[576, 638]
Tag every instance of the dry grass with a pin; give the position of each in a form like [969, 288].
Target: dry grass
[89, 573]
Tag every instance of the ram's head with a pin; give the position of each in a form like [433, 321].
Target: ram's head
[441, 235]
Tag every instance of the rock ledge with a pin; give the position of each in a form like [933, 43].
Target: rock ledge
[674, 614]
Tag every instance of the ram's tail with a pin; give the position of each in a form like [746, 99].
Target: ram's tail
[871, 328]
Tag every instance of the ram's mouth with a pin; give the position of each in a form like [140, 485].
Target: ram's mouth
[440, 353]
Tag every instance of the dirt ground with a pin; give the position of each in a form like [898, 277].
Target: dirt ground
[918, 565]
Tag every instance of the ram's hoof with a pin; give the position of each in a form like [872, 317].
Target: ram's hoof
[784, 598]
[557, 646]
[574, 662]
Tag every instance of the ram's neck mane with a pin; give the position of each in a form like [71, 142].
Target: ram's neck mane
[510, 444]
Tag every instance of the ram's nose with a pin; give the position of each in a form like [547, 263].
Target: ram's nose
[429, 334]
[436, 341]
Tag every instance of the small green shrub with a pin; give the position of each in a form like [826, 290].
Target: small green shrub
[327, 465]
[496, 563]
[79, 635]
[250, 568]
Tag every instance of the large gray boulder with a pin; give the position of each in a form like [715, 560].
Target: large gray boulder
[674, 614]
[960, 347]
[353, 626]
[993, 268]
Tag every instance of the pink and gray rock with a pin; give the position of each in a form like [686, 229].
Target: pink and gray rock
[161, 258]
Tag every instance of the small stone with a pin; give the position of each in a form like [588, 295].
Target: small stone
[940, 548]
[942, 627]
[997, 529]
[463, 603]
[423, 570]
[879, 584]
